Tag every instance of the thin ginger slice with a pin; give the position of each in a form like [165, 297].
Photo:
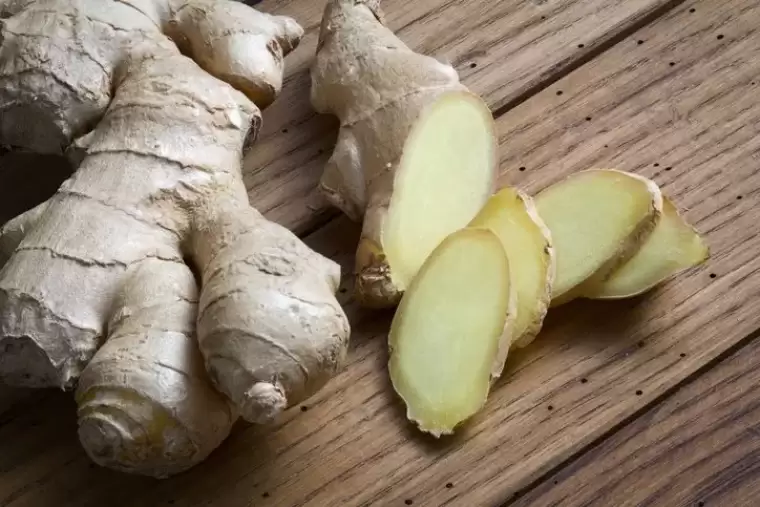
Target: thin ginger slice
[512, 216]
[672, 247]
[447, 339]
[598, 219]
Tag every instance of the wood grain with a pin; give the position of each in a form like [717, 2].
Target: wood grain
[699, 447]
[594, 365]
[502, 50]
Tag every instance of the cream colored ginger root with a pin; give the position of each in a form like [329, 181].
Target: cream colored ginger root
[159, 186]
[416, 152]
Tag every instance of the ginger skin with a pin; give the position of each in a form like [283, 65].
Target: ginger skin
[159, 186]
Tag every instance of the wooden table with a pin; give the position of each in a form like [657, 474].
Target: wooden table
[648, 401]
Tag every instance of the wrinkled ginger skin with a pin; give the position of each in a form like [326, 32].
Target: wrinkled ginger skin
[270, 327]
[58, 58]
[145, 403]
[161, 181]
[377, 87]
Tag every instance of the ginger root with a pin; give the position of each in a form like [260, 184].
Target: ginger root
[447, 341]
[161, 134]
[416, 152]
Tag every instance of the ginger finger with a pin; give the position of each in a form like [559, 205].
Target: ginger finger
[145, 404]
[269, 326]
[416, 152]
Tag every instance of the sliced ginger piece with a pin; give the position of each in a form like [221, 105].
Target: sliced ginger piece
[598, 219]
[444, 177]
[446, 340]
[672, 247]
[513, 217]
[415, 158]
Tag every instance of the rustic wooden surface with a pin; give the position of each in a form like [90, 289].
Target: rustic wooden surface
[502, 50]
[691, 125]
[699, 447]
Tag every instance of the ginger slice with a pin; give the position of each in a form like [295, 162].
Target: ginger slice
[444, 177]
[512, 216]
[446, 340]
[672, 247]
[598, 219]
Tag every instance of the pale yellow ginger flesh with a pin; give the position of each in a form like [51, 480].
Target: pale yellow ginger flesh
[415, 157]
[597, 219]
[161, 100]
[673, 246]
[447, 333]
[512, 216]
[445, 174]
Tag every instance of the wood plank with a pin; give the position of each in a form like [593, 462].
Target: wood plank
[699, 447]
[594, 365]
[502, 50]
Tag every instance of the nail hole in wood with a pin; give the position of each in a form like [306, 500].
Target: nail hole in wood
[641, 345]
[284, 131]
[713, 275]
[672, 64]
[559, 92]
[682, 354]
[588, 118]
[449, 485]
[521, 169]
[639, 42]
[606, 145]
[550, 407]
[304, 408]
[584, 380]
[580, 46]
[692, 10]
[265, 494]
[343, 290]
[668, 168]
[657, 164]
[720, 36]
[473, 65]
[639, 392]
[556, 482]
[738, 198]
[408, 501]
[543, 17]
